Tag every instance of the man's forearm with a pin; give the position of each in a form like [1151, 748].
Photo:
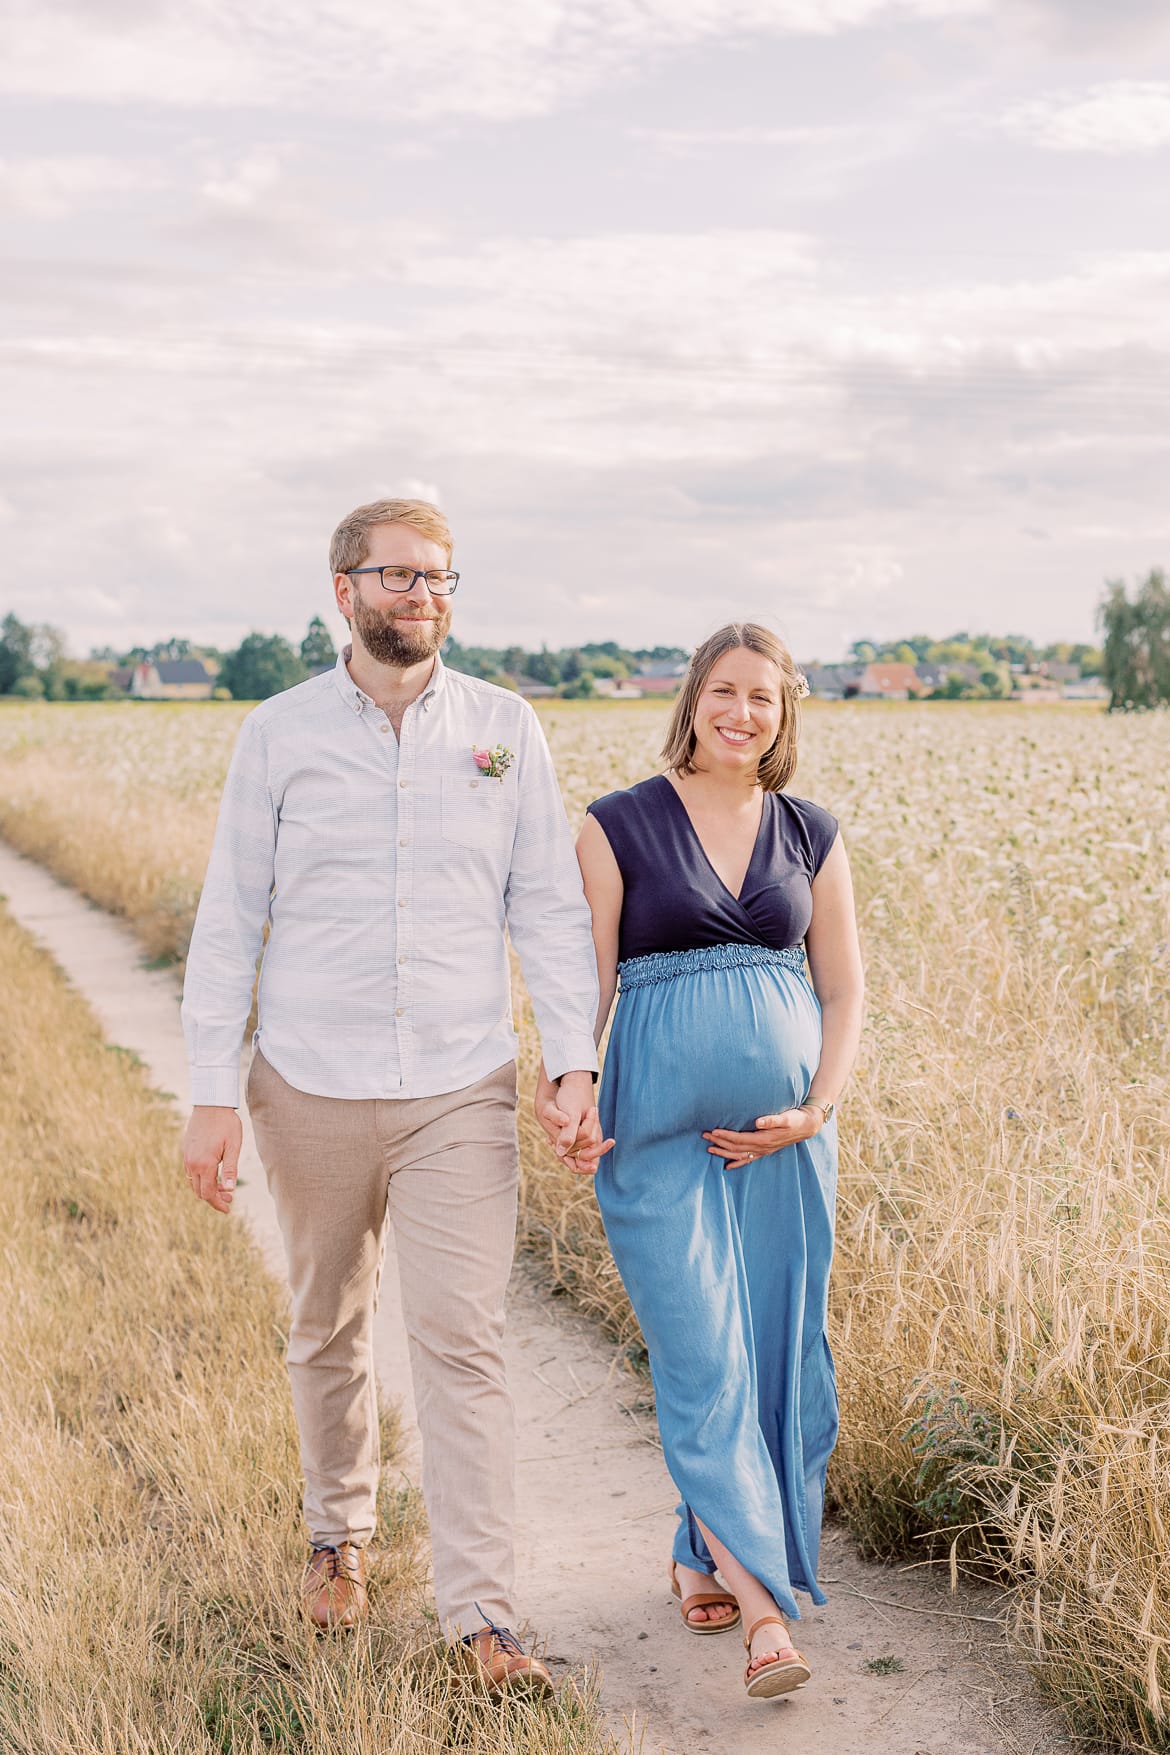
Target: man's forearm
[229, 926]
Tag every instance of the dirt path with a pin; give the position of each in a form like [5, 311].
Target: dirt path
[597, 1501]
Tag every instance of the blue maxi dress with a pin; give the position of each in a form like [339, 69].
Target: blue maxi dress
[727, 1271]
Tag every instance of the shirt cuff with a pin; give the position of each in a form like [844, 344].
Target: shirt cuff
[569, 1054]
[216, 1087]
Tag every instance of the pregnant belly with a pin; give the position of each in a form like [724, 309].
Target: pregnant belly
[711, 1049]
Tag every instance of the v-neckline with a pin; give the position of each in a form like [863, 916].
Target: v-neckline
[726, 888]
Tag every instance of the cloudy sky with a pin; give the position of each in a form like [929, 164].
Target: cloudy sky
[850, 314]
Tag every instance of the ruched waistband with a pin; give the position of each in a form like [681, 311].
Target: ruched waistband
[667, 965]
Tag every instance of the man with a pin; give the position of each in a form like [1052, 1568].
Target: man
[385, 821]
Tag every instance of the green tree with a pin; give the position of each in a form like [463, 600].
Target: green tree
[16, 653]
[1136, 657]
[261, 665]
[601, 664]
[48, 655]
[544, 667]
[317, 648]
[83, 681]
[996, 682]
[580, 689]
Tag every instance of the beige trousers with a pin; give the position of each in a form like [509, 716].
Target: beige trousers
[443, 1171]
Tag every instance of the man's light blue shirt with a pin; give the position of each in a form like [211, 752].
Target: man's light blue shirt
[386, 870]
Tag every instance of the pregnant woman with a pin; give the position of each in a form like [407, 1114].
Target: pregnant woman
[726, 907]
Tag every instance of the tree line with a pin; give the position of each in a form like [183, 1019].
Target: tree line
[1133, 659]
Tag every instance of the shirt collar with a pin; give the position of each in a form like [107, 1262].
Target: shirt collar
[355, 698]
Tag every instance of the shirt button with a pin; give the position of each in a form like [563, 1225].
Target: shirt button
[402, 783]
[402, 901]
[402, 959]
[398, 1011]
[474, 783]
[383, 726]
[404, 842]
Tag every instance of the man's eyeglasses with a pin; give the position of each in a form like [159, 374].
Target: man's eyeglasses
[439, 583]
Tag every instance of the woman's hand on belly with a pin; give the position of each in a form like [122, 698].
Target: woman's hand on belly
[772, 1133]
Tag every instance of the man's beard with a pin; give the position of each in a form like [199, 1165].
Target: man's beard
[399, 639]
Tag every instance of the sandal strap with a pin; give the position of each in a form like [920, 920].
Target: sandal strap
[763, 1622]
[702, 1598]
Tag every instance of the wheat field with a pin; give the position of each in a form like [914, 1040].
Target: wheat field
[1001, 1294]
[151, 1482]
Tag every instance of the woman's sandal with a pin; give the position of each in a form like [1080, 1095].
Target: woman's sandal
[778, 1675]
[704, 1600]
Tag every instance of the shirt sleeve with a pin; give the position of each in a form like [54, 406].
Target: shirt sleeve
[610, 814]
[548, 916]
[229, 925]
[821, 829]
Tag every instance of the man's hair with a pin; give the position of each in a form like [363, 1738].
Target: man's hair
[778, 764]
[350, 543]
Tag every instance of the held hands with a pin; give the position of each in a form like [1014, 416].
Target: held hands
[211, 1155]
[773, 1133]
[567, 1113]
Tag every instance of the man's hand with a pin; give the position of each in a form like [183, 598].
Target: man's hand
[568, 1115]
[211, 1155]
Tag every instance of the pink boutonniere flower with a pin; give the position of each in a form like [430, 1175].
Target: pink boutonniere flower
[494, 763]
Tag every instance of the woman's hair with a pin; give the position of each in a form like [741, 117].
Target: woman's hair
[777, 764]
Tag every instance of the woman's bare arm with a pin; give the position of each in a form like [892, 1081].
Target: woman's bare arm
[603, 891]
[834, 960]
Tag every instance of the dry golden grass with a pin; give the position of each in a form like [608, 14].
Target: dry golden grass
[1001, 1295]
[150, 1480]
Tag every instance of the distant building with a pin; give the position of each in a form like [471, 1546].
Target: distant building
[663, 667]
[647, 683]
[1060, 673]
[171, 679]
[1085, 688]
[617, 688]
[931, 676]
[937, 676]
[531, 689]
[1035, 690]
[890, 680]
[833, 682]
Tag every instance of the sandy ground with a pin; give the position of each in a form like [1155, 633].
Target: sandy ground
[597, 1502]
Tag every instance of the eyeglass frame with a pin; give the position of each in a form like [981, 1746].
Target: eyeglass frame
[418, 572]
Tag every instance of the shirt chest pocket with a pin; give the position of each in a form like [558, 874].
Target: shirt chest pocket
[478, 813]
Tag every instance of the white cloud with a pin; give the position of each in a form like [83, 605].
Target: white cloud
[248, 184]
[1124, 116]
[453, 57]
[54, 187]
[685, 141]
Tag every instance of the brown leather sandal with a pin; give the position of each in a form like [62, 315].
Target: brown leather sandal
[779, 1675]
[704, 1599]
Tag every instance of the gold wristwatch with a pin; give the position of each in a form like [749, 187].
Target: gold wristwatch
[828, 1110]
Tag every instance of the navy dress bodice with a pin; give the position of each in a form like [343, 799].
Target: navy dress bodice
[674, 900]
